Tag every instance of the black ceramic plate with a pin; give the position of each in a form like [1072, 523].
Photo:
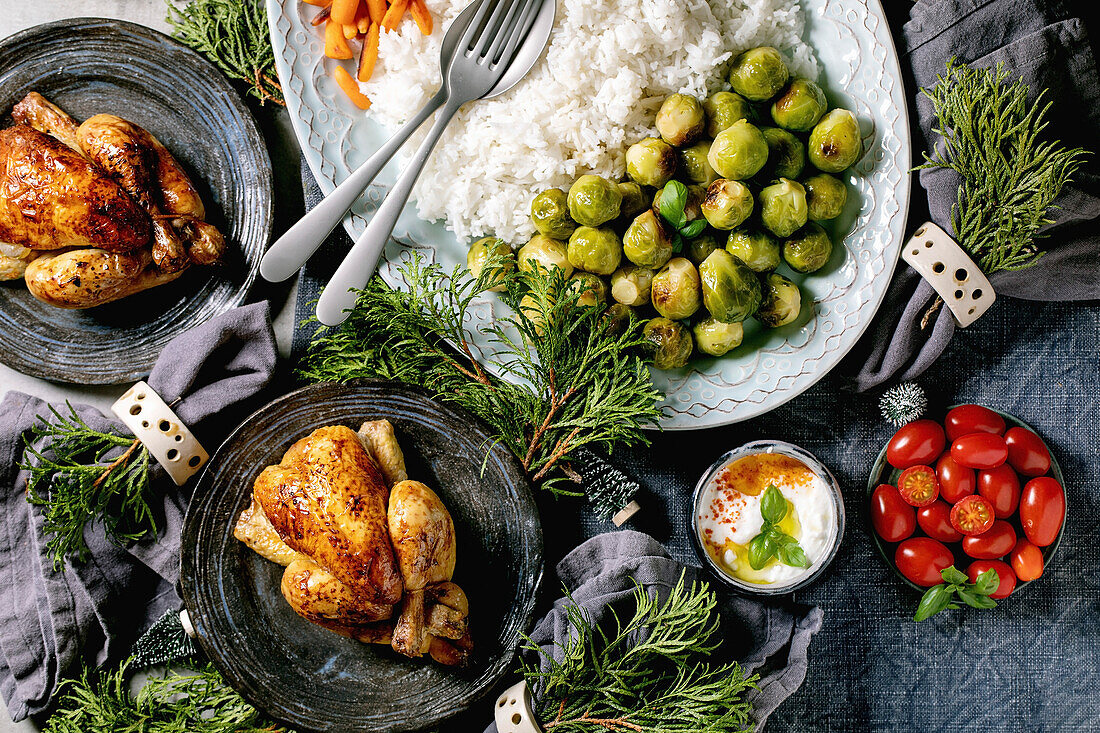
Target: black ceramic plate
[93, 65]
[883, 472]
[311, 678]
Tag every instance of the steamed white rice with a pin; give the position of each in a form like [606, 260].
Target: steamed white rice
[609, 65]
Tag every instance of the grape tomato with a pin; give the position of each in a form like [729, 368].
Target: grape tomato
[1005, 576]
[1027, 453]
[979, 450]
[994, 543]
[955, 481]
[1042, 510]
[1001, 486]
[967, 419]
[892, 518]
[921, 559]
[973, 515]
[918, 485]
[1026, 560]
[935, 520]
[920, 441]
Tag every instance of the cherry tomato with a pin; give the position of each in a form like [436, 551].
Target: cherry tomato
[1027, 452]
[967, 419]
[1001, 486]
[997, 542]
[920, 559]
[918, 485]
[917, 442]
[972, 515]
[955, 481]
[1027, 560]
[979, 450]
[891, 517]
[1042, 510]
[1004, 574]
[935, 520]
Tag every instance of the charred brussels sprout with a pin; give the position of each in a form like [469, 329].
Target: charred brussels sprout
[825, 196]
[634, 201]
[651, 162]
[676, 291]
[731, 291]
[786, 154]
[739, 151]
[759, 74]
[716, 337]
[681, 120]
[668, 343]
[594, 200]
[630, 285]
[835, 143]
[550, 214]
[480, 253]
[646, 242]
[783, 207]
[800, 106]
[727, 204]
[808, 250]
[699, 248]
[544, 251]
[592, 289]
[723, 109]
[756, 247]
[694, 166]
[780, 303]
[596, 250]
[617, 317]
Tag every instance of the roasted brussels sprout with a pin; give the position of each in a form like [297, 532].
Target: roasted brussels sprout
[651, 162]
[544, 251]
[617, 317]
[694, 166]
[716, 337]
[668, 343]
[596, 250]
[646, 242]
[692, 206]
[634, 201]
[594, 200]
[630, 285]
[780, 303]
[592, 289]
[723, 109]
[479, 254]
[731, 291]
[756, 247]
[727, 204]
[809, 249]
[681, 120]
[759, 74]
[699, 248]
[800, 106]
[550, 214]
[835, 142]
[825, 196]
[786, 155]
[783, 207]
[676, 291]
[739, 151]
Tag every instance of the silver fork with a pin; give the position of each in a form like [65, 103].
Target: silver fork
[496, 48]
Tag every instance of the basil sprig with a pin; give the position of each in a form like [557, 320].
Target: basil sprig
[674, 199]
[772, 541]
[955, 584]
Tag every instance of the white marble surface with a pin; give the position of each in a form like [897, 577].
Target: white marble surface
[17, 16]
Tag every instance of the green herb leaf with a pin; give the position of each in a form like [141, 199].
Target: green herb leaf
[674, 198]
[694, 229]
[987, 582]
[761, 549]
[974, 600]
[934, 600]
[792, 554]
[953, 575]
[677, 242]
[773, 505]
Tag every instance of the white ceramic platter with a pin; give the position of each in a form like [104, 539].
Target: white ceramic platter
[859, 71]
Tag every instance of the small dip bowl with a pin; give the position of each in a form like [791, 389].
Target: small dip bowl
[778, 455]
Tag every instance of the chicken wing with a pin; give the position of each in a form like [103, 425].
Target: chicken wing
[254, 530]
[36, 111]
[378, 438]
[85, 278]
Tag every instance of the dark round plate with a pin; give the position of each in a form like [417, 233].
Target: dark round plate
[92, 65]
[309, 677]
[883, 472]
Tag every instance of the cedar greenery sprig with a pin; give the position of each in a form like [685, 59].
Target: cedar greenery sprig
[955, 584]
[565, 376]
[772, 541]
[651, 673]
[233, 34]
[991, 136]
[79, 484]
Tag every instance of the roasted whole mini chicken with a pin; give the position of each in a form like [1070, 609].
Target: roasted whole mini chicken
[361, 543]
[94, 212]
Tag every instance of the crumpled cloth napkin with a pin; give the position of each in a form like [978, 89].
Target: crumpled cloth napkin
[49, 619]
[1041, 42]
[768, 638]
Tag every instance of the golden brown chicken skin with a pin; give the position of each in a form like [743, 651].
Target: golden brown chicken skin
[36, 111]
[86, 278]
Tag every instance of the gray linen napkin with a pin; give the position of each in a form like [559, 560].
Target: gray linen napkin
[1040, 42]
[771, 639]
[96, 609]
